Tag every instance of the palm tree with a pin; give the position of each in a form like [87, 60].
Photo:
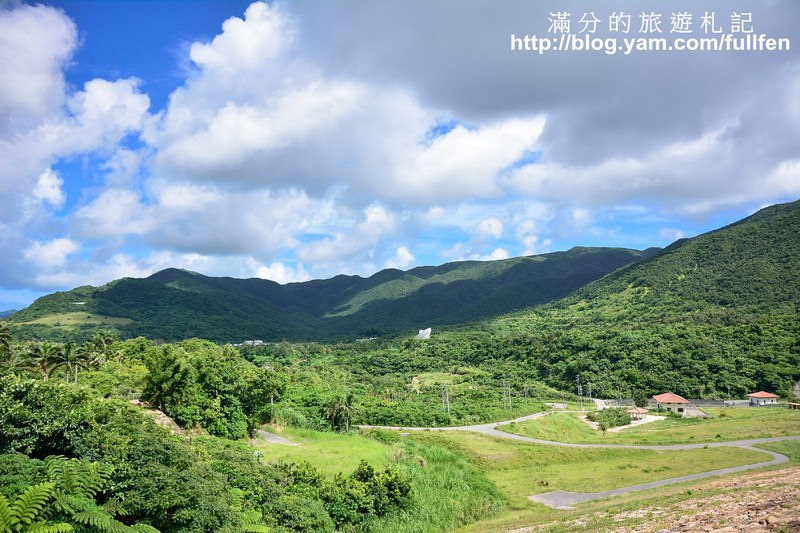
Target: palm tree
[16, 361]
[99, 346]
[82, 359]
[339, 411]
[5, 339]
[45, 356]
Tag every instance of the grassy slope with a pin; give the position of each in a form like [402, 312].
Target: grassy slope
[448, 491]
[735, 424]
[330, 452]
[521, 469]
[462, 478]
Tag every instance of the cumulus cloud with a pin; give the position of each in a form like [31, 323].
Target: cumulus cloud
[402, 258]
[255, 116]
[50, 254]
[359, 241]
[35, 42]
[282, 273]
[489, 228]
[497, 254]
[671, 234]
[48, 188]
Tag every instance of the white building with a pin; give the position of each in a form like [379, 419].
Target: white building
[672, 402]
[762, 398]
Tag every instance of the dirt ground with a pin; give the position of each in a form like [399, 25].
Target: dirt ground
[766, 501]
[769, 501]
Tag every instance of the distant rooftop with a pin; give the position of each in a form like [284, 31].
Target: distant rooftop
[762, 394]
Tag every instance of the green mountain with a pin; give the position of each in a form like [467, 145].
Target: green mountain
[744, 269]
[10, 312]
[706, 315]
[175, 304]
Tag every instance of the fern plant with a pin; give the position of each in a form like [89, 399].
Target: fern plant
[66, 501]
[26, 514]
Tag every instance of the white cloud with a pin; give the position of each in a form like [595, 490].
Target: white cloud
[35, 42]
[114, 213]
[48, 188]
[246, 44]
[402, 258]
[281, 273]
[359, 241]
[254, 116]
[50, 254]
[489, 228]
[671, 234]
[497, 254]
[582, 218]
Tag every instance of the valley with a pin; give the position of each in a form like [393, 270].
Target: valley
[393, 433]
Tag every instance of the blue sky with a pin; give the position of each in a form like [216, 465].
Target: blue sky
[300, 139]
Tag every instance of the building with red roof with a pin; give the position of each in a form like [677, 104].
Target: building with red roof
[671, 402]
[762, 398]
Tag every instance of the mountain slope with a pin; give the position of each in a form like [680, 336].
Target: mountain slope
[748, 267]
[709, 316]
[175, 304]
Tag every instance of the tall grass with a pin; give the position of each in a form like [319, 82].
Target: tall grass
[448, 492]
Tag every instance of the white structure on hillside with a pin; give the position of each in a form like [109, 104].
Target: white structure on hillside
[762, 398]
[424, 334]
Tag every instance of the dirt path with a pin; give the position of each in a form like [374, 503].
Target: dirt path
[563, 499]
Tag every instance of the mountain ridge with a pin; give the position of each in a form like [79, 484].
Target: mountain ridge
[175, 303]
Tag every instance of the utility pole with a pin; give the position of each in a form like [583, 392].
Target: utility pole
[506, 396]
[446, 399]
[525, 393]
[580, 391]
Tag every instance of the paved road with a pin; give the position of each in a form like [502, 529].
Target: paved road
[275, 439]
[563, 499]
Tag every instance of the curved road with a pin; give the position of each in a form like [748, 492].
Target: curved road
[563, 499]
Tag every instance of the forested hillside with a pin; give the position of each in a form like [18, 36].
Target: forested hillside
[707, 317]
[175, 304]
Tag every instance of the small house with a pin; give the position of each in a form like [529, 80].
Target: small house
[672, 402]
[637, 413]
[762, 398]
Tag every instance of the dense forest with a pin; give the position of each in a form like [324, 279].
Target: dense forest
[76, 454]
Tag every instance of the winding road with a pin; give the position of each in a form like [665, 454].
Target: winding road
[563, 499]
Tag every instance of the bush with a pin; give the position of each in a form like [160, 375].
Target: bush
[609, 418]
[299, 514]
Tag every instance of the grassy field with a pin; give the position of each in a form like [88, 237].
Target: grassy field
[520, 469]
[483, 483]
[330, 452]
[448, 491]
[722, 425]
[789, 448]
[76, 319]
[651, 510]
